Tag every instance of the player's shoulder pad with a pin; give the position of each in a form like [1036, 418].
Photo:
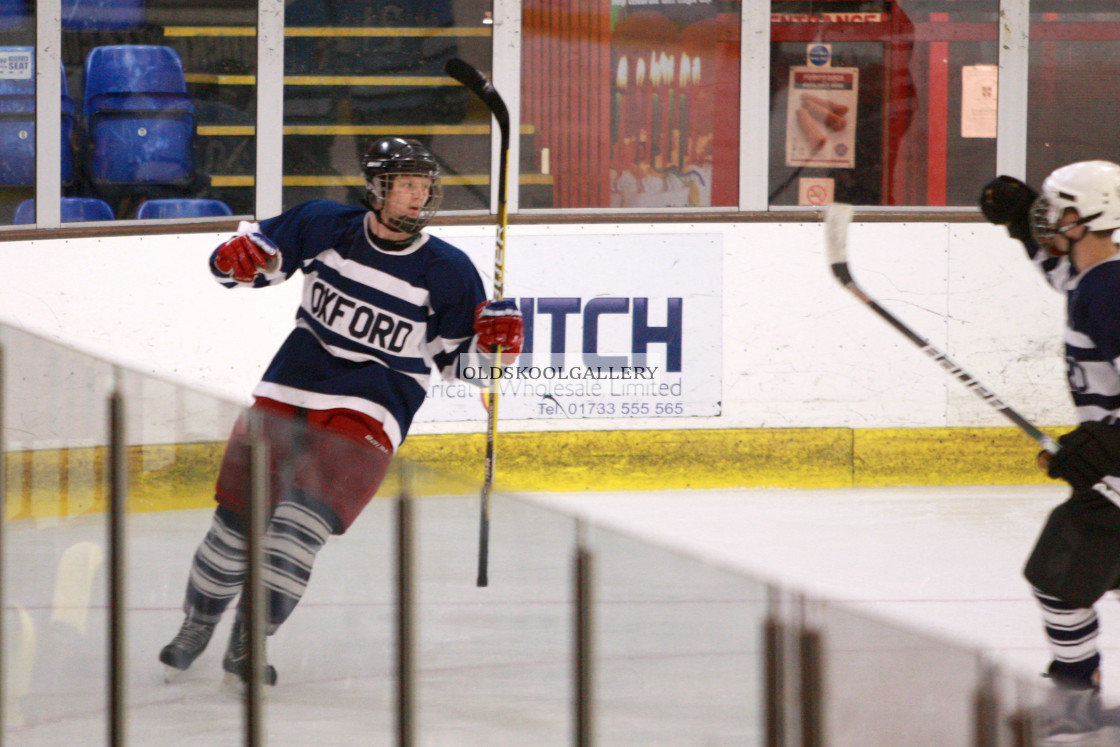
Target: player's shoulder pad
[448, 267]
[1100, 287]
[441, 251]
[322, 209]
[317, 223]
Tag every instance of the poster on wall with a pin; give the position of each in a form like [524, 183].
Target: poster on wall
[979, 100]
[665, 74]
[616, 326]
[821, 117]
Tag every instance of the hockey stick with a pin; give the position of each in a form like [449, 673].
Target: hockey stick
[480, 86]
[837, 218]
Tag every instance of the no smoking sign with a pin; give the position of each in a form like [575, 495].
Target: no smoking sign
[815, 191]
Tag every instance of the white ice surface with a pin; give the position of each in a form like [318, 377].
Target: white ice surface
[943, 559]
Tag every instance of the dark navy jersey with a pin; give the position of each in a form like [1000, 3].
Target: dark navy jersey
[1092, 334]
[1092, 340]
[372, 324]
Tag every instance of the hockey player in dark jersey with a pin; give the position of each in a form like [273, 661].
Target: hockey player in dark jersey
[1068, 234]
[384, 305]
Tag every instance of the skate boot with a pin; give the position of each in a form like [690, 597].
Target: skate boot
[185, 647]
[236, 660]
[1074, 715]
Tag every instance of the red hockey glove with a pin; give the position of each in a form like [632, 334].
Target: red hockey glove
[244, 257]
[499, 323]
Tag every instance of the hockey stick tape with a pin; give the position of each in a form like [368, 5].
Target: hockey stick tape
[837, 216]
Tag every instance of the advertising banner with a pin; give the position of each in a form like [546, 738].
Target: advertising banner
[615, 326]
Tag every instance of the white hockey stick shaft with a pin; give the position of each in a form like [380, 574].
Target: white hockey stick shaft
[838, 216]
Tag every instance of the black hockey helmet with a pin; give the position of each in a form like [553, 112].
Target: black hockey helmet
[389, 157]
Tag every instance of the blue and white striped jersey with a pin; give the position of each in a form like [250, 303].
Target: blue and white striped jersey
[372, 324]
[1092, 334]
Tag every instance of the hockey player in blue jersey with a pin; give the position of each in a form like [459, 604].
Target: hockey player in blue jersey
[1068, 234]
[384, 305]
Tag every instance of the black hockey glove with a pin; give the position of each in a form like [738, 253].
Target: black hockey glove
[1006, 201]
[1087, 454]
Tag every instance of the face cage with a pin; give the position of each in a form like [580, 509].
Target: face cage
[1043, 227]
[378, 189]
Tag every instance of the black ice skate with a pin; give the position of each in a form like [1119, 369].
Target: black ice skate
[185, 647]
[236, 660]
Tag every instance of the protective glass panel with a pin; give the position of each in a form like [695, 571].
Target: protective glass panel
[1074, 57]
[55, 487]
[886, 686]
[882, 103]
[494, 662]
[677, 645]
[355, 72]
[677, 650]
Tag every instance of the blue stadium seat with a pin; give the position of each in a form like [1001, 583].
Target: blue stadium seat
[13, 14]
[139, 117]
[73, 209]
[101, 15]
[182, 208]
[17, 119]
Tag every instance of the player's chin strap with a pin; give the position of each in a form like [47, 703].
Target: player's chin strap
[388, 245]
[401, 224]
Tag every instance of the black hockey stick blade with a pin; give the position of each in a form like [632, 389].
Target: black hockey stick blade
[837, 217]
[477, 82]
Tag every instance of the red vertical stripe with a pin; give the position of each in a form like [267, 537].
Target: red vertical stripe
[566, 85]
[937, 159]
[591, 100]
[559, 87]
[725, 155]
[528, 68]
[572, 123]
[587, 123]
[602, 11]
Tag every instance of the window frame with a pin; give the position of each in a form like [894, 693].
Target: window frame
[755, 20]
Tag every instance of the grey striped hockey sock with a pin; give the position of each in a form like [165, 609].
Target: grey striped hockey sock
[295, 534]
[218, 570]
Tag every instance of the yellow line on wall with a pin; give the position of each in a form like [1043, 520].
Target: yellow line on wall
[325, 80]
[245, 180]
[68, 482]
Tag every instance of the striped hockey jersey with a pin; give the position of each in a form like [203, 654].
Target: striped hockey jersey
[1092, 333]
[1092, 341]
[372, 324]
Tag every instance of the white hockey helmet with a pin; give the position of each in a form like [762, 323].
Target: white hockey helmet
[1092, 188]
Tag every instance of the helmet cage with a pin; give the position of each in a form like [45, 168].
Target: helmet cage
[1044, 217]
[378, 187]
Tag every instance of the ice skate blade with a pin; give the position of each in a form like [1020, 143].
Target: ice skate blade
[170, 673]
[1109, 736]
[234, 685]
